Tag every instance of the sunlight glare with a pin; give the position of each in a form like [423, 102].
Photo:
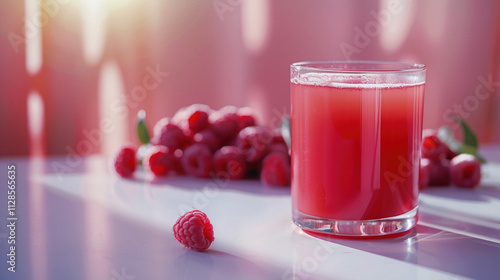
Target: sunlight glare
[33, 33]
[36, 120]
[393, 36]
[94, 30]
[112, 107]
[255, 24]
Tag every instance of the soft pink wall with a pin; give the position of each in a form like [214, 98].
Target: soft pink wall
[239, 54]
[14, 85]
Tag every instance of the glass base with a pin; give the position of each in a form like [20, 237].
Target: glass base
[357, 228]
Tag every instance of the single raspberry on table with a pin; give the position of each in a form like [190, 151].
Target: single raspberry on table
[276, 169]
[255, 142]
[224, 122]
[160, 161]
[125, 161]
[465, 171]
[197, 160]
[229, 161]
[193, 118]
[194, 231]
[169, 134]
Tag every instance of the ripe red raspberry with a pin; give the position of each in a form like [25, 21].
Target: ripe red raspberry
[276, 170]
[229, 162]
[167, 133]
[246, 117]
[424, 174]
[255, 142]
[197, 160]
[193, 118]
[224, 122]
[194, 231]
[465, 171]
[125, 161]
[207, 137]
[432, 147]
[439, 174]
[160, 161]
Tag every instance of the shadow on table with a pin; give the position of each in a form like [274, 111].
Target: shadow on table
[489, 190]
[248, 185]
[436, 249]
[482, 193]
[455, 193]
[73, 238]
[214, 264]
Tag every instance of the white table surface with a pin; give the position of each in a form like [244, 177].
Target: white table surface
[90, 224]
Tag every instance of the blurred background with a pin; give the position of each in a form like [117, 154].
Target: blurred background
[74, 73]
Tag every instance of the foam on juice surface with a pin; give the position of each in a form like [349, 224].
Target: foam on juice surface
[357, 80]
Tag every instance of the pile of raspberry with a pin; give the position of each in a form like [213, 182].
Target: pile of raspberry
[440, 166]
[201, 142]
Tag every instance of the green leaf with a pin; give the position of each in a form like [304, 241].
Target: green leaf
[470, 141]
[285, 131]
[142, 130]
[470, 144]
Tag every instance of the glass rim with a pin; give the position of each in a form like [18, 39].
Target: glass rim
[395, 67]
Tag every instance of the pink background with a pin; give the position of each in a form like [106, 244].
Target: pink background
[77, 82]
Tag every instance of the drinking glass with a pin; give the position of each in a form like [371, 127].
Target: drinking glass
[356, 129]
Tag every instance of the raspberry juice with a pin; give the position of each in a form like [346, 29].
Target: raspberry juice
[355, 156]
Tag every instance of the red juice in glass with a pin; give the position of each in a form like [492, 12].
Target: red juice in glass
[356, 130]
